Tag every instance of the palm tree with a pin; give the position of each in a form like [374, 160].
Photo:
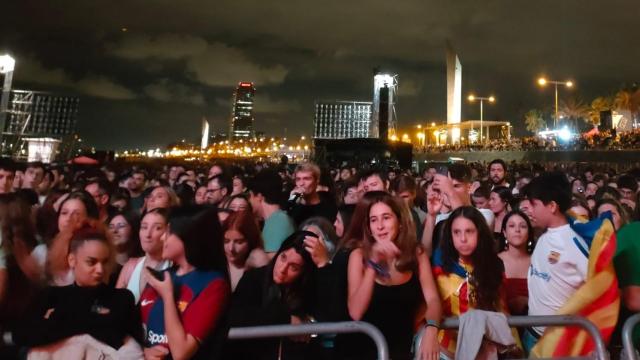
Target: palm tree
[534, 121]
[598, 105]
[574, 109]
[628, 100]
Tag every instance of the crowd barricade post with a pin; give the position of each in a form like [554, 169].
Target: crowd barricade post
[627, 336]
[600, 350]
[270, 331]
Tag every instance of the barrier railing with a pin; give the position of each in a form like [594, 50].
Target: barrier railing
[627, 336]
[269, 331]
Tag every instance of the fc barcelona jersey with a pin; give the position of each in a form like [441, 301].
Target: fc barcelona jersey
[200, 299]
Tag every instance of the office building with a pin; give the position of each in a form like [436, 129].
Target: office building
[342, 120]
[242, 120]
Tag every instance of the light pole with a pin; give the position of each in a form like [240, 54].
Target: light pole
[7, 64]
[490, 99]
[542, 82]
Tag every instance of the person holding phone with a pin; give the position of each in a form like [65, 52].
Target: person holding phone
[182, 307]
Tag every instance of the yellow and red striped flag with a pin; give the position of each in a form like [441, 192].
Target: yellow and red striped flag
[598, 299]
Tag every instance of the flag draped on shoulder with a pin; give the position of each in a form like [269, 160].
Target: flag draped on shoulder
[597, 300]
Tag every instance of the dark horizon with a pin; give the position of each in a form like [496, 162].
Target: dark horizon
[148, 73]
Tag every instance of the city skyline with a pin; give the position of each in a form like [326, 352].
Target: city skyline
[147, 81]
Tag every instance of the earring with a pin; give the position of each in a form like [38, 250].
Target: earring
[506, 244]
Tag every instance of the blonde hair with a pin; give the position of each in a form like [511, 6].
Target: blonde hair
[309, 167]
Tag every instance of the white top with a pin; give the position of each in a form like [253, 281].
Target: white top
[136, 277]
[559, 266]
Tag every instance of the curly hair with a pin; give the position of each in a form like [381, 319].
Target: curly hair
[488, 269]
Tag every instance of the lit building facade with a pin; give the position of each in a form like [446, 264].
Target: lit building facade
[342, 120]
[242, 120]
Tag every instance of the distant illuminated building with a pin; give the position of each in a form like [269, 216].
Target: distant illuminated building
[383, 120]
[242, 119]
[342, 120]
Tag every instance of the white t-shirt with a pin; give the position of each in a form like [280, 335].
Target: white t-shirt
[559, 266]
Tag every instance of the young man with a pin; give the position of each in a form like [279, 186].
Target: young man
[375, 180]
[560, 259]
[453, 193]
[33, 175]
[136, 185]
[7, 173]
[498, 173]
[628, 187]
[265, 195]
[100, 192]
[307, 177]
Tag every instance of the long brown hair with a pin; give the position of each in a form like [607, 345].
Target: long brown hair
[353, 235]
[406, 241]
[488, 269]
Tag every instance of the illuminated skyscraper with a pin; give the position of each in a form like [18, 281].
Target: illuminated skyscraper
[241, 126]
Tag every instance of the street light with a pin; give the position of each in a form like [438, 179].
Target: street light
[482, 99]
[542, 82]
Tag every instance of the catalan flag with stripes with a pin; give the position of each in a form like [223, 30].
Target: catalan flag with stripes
[598, 299]
[454, 287]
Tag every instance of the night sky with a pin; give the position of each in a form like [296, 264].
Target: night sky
[178, 61]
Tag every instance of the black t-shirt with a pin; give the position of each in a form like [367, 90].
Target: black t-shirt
[107, 314]
[326, 208]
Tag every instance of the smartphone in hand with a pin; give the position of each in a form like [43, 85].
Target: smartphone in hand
[156, 274]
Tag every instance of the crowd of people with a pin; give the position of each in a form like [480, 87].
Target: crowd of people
[605, 140]
[158, 261]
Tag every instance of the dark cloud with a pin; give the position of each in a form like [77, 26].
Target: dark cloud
[179, 61]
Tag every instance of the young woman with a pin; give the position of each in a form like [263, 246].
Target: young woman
[279, 293]
[124, 228]
[88, 306]
[468, 271]
[239, 186]
[580, 207]
[239, 203]
[152, 230]
[200, 197]
[242, 245]
[162, 197]
[343, 219]
[195, 290]
[516, 256]
[20, 275]
[499, 203]
[76, 210]
[620, 216]
[392, 269]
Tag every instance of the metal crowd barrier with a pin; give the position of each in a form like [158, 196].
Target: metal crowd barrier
[269, 331]
[627, 336]
[553, 320]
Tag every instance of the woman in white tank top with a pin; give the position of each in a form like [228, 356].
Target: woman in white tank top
[152, 230]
